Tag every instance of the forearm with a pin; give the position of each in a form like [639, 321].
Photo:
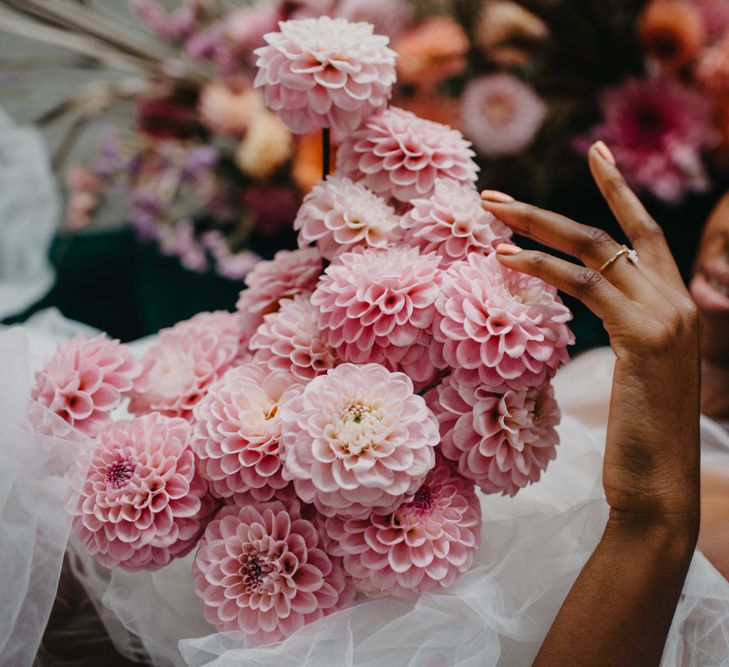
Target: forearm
[620, 609]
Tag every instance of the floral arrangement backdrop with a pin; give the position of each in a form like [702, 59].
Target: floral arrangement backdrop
[213, 178]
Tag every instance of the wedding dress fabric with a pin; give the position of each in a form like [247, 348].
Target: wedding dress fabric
[533, 547]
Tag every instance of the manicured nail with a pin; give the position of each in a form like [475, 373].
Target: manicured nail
[605, 152]
[496, 196]
[507, 249]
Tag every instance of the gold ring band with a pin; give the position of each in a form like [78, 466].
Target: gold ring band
[628, 252]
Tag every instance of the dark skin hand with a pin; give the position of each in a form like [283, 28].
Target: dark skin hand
[620, 608]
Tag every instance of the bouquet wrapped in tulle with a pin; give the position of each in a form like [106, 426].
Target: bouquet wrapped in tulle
[327, 439]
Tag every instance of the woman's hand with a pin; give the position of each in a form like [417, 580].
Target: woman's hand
[651, 467]
[619, 610]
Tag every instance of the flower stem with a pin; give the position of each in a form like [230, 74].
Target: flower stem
[326, 149]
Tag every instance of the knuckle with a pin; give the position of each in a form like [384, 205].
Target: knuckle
[647, 229]
[538, 260]
[593, 239]
[587, 279]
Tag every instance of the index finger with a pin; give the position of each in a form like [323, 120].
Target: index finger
[644, 233]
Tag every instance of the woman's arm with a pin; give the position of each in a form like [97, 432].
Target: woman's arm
[619, 610]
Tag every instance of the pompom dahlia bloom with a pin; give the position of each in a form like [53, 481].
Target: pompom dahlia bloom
[396, 154]
[501, 441]
[378, 306]
[358, 439]
[142, 502]
[289, 340]
[422, 545]
[453, 223]
[289, 273]
[84, 381]
[658, 129]
[237, 431]
[260, 570]
[500, 327]
[186, 359]
[339, 214]
[501, 114]
[325, 72]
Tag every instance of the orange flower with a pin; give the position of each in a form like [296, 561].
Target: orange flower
[672, 32]
[307, 168]
[431, 52]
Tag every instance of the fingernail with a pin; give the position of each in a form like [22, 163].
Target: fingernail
[496, 196]
[605, 152]
[507, 249]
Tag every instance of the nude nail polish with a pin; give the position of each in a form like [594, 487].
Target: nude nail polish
[507, 249]
[496, 196]
[605, 152]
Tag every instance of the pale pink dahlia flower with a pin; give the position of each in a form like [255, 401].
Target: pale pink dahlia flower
[658, 129]
[289, 340]
[186, 359]
[358, 439]
[501, 114]
[422, 545]
[325, 72]
[261, 571]
[378, 306]
[500, 327]
[396, 154]
[501, 441]
[141, 502]
[237, 431]
[289, 273]
[84, 381]
[453, 223]
[339, 214]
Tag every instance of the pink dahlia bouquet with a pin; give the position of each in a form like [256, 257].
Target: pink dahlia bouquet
[332, 436]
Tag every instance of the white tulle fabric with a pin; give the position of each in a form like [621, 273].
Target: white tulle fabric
[533, 547]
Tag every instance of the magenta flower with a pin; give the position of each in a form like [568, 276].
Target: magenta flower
[237, 431]
[453, 223]
[500, 327]
[501, 114]
[261, 571]
[84, 381]
[325, 72]
[501, 441]
[339, 215]
[184, 362]
[358, 439]
[289, 273]
[141, 502]
[658, 129]
[290, 341]
[396, 154]
[422, 545]
[379, 306]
